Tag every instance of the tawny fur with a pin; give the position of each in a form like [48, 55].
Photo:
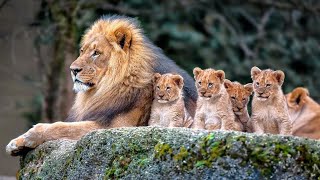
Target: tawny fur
[304, 113]
[214, 108]
[269, 108]
[113, 80]
[240, 95]
[168, 108]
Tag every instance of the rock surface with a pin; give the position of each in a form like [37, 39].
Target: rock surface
[178, 153]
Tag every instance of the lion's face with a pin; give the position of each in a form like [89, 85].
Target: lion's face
[239, 95]
[266, 83]
[208, 82]
[167, 87]
[88, 68]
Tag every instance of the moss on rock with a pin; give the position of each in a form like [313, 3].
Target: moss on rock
[154, 153]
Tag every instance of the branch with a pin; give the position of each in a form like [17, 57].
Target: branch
[4, 2]
[290, 5]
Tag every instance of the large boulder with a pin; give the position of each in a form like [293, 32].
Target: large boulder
[177, 153]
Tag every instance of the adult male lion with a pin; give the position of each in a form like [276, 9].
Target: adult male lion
[112, 78]
[304, 113]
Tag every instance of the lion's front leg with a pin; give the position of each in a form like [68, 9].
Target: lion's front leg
[43, 132]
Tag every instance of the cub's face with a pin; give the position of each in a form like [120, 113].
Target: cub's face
[167, 87]
[266, 83]
[208, 82]
[239, 95]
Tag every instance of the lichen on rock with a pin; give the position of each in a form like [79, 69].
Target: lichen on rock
[175, 153]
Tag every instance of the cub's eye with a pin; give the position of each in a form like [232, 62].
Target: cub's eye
[168, 88]
[257, 83]
[158, 87]
[210, 84]
[232, 97]
[243, 99]
[81, 50]
[268, 85]
[199, 82]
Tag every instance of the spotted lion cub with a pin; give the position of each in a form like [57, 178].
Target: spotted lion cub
[240, 95]
[269, 107]
[168, 108]
[214, 108]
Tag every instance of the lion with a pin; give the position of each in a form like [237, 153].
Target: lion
[240, 95]
[168, 108]
[269, 107]
[113, 80]
[304, 113]
[214, 108]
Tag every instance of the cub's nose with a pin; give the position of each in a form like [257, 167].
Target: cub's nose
[75, 71]
[161, 95]
[202, 92]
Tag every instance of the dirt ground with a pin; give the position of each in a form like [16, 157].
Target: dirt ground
[17, 65]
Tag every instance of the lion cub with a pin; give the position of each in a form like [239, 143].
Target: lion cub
[168, 108]
[269, 107]
[214, 108]
[240, 95]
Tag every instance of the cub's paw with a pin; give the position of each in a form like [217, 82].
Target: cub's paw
[24, 143]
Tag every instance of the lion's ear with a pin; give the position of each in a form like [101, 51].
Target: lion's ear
[196, 72]
[279, 76]
[220, 74]
[254, 72]
[248, 87]
[178, 80]
[156, 78]
[227, 84]
[121, 39]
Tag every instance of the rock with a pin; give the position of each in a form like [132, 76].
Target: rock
[177, 153]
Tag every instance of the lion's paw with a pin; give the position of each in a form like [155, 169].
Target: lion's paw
[19, 146]
[27, 141]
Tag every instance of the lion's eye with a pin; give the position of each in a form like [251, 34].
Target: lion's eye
[243, 99]
[168, 88]
[158, 87]
[232, 97]
[257, 83]
[199, 82]
[268, 85]
[210, 84]
[81, 50]
[95, 54]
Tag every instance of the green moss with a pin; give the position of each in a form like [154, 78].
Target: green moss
[161, 150]
[181, 155]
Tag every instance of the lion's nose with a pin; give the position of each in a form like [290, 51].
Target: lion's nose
[75, 71]
[161, 95]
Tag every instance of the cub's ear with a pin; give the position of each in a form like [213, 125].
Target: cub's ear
[248, 87]
[255, 71]
[227, 84]
[196, 72]
[220, 74]
[297, 98]
[120, 39]
[279, 76]
[178, 80]
[156, 78]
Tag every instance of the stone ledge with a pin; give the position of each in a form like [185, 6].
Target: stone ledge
[177, 153]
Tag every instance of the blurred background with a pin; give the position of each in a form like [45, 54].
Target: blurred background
[39, 40]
